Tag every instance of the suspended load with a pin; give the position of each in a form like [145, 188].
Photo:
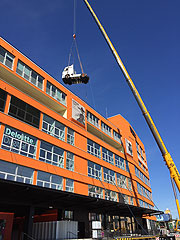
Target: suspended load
[69, 76]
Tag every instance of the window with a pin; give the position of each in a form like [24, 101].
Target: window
[110, 195]
[94, 191]
[29, 74]
[105, 128]
[131, 200]
[145, 204]
[24, 112]
[117, 136]
[121, 181]
[93, 148]
[51, 154]
[68, 215]
[107, 155]
[48, 180]
[129, 184]
[13, 172]
[141, 203]
[127, 166]
[109, 176]
[138, 152]
[143, 191]
[19, 142]
[94, 170]
[141, 152]
[70, 161]
[119, 162]
[92, 119]
[69, 185]
[141, 176]
[55, 93]
[133, 132]
[70, 136]
[53, 127]
[125, 198]
[137, 172]
[129, 147]
[3, 96]
[6, 58]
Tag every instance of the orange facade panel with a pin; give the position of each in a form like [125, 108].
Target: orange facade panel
[56, 140]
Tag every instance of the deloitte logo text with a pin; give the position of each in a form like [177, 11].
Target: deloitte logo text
[19, 136]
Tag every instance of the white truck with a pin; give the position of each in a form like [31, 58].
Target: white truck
[69, 76]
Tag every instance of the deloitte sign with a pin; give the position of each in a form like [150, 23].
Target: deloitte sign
[18, 135]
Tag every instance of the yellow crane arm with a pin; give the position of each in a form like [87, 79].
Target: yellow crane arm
[166, 155]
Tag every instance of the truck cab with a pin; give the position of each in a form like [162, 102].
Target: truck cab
[69, 76]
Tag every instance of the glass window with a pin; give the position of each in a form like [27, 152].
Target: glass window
[121, 181]
[19, 142]
[94, 191]
[131, 200]
[107, 155]
[94, 170]
[93, 148]
[105, 128]
[125, 198]
[127, 166]
[141, 203]
[68, 215]
[70, 136]
[70, 161]
[3, 96]
[53, 127]
[142, 154]
[24, 112]
[51, 154]
[119, 162]
[109, 176]
[69, 185]
[29, 74]
[129, 147]
[14, 172]
[117, 136]
[48, 180]
[55, 93]
[129, 184]
[110, 195]
[92, 119]
[138, 152]
[6, 58]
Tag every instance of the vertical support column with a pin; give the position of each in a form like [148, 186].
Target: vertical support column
[8, 99]
[120, 224]
[28, 224]
[2, 127]
[132, 228]
[38, 149]
[82, 216]
[104, 221]
[40, 121]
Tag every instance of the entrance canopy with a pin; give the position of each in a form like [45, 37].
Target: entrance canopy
[15, 197]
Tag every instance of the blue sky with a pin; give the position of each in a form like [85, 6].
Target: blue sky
[145, 34]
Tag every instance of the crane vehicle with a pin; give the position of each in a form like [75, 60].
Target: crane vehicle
[174, 174]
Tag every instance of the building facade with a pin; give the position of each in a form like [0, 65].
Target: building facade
[52, 140]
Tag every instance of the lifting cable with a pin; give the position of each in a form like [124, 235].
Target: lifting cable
[74, 43]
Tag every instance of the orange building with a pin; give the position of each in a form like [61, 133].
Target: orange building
[59, 158]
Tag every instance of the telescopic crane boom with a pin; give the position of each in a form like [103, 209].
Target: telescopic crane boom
[174, 174]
